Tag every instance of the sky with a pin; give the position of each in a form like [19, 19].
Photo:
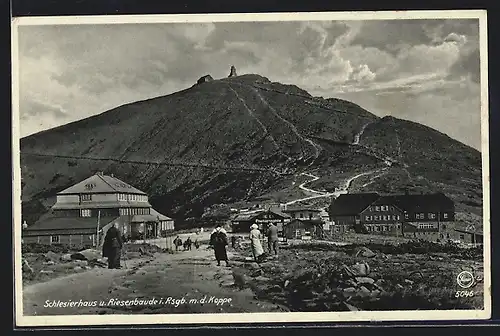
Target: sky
[425, 71]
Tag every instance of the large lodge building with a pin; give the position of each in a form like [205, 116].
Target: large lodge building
[93, 205]
[418, 216]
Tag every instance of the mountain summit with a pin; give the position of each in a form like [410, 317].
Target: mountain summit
[243, 137]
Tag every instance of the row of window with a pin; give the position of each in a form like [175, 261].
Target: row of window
[85, 197]
[381, 218]
[379, 228]
[135, 211]
[301, 215]
[381, 208]
[430, 215]
[123, 212]
[132, 197]
[426, 226]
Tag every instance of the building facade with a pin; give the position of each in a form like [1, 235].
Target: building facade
[422, 216]
[304, 229]
[85, 211]
[243, 221]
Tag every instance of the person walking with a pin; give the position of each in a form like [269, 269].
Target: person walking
[112, 247]
[177, 243]
[187, 244]
[219, 241]
[196, 244]
[272, 239]
[255, 243]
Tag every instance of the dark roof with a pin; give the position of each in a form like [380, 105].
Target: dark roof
[415, 203]
[298, 209]
[65, 223]
[351, 204]
[276, 212]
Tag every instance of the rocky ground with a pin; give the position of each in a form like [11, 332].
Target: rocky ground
[305, 277]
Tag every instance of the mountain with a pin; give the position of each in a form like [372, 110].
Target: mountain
[238, 138]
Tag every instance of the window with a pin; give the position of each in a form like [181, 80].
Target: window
[398, 226]
[398, 217]
[367, 218]
[445, 215]
[443, 226]
[431, 215]
[462, 237]
[377, 228]
[85, 197]
[377, 208]
[301, 215]
[419, 216]
[85, 213]
[392, 208]
[426, 226]
[54, 239]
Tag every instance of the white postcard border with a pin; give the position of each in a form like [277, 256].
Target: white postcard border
[84, 320]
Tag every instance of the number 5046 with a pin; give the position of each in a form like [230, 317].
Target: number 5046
[459, 294]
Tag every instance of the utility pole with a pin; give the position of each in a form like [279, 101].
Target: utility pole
[98, 227]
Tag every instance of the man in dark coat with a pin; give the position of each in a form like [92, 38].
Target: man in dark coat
[219, 241]
[112, 247]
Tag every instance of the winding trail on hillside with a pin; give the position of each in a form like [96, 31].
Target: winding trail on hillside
[344, 187]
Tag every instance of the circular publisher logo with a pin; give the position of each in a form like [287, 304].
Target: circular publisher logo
[465, 279]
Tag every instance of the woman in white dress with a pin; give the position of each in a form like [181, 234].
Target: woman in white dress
[255, 237]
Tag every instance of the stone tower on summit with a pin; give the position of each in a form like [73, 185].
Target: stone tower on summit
[233, 72]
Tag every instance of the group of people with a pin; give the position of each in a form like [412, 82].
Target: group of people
[186, 245]
[219, 241]
[113, 244]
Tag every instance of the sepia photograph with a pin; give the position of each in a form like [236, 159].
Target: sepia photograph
[235, 168]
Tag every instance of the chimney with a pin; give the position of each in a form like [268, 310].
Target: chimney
[100, 173]
[112, 175]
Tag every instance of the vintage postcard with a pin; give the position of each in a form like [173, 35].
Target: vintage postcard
[235, 168]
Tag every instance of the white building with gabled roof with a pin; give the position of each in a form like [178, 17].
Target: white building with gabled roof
[93, 205]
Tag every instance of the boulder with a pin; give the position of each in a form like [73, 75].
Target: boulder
[51, 256]
[26, 267]
[78, 268]
[50, 262]
[80, 262]
[66, 257]
[89, 254]
[358, 269]
[365, 280]
[46, 271]
[364, 252]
